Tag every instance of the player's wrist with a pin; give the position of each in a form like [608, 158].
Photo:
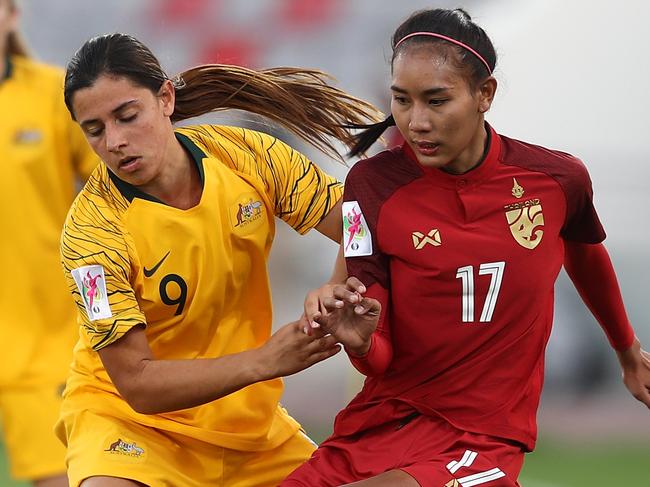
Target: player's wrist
[631, 355]
[261, 366]
[360, 350]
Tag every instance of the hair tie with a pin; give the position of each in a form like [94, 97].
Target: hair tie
[448, 39]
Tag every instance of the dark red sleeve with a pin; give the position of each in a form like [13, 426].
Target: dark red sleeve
[592, 273]
[371, 183]
[380, 354]
[582, 223]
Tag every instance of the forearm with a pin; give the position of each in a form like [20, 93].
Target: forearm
[592, 273]
[375, 359]
[160, 386]
[340, 271]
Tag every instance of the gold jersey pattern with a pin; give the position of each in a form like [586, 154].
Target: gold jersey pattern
[197, 278]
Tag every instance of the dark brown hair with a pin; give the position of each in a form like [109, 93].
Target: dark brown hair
[299, 99]
[456, 24]
[16, 45]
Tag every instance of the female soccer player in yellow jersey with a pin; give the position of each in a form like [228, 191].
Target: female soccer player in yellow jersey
[44, 154]
[176, 377]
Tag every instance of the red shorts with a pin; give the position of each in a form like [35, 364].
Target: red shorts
[429, 449]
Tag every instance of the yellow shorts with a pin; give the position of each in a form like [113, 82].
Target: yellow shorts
[28, 418]
[100, 445]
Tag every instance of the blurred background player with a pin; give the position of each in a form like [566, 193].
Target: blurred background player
[44, 156]
[176, 377]
[458, 237]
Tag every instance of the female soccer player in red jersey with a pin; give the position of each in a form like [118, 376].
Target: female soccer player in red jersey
[176, 379]
[459, 236]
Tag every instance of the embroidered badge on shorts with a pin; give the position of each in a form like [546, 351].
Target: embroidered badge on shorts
[92, 287]
[357, 240]
[125, 450]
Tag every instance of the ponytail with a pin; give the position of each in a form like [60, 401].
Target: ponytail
[371, 133]
[299, 99]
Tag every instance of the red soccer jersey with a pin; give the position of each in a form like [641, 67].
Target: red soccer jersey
[465, 267]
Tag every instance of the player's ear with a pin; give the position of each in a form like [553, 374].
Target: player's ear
[486, 91]
[167, 97]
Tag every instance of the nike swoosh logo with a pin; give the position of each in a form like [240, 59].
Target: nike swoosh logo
[152, 271]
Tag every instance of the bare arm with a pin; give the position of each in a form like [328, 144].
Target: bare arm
[332, 225]
[153, 386]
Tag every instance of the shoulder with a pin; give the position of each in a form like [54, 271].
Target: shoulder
[38, 73]
[557, 164]
[97, 208]
[216, 140]
[390, 168]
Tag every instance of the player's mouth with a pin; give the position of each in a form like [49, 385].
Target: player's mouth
[129, 164]
[425, 148]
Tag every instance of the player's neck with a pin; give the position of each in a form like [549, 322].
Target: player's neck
[179, 184]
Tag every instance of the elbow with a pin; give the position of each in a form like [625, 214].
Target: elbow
[139, 397]
[137, 400]
[140, 403]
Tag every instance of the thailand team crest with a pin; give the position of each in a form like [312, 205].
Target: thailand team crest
[526, 222]
[91, 283]
[357, 240]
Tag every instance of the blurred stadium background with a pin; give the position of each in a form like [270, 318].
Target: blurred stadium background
[572, 76]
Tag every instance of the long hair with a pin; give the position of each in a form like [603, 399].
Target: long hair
[299, 99]
[16, 45]
[456, 24]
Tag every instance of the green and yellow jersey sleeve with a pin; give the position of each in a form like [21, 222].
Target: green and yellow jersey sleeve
[300, 192]
[97, 258]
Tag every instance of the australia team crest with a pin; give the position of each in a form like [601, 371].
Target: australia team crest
[247, 210]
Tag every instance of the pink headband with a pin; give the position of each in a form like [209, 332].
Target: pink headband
[448, 39]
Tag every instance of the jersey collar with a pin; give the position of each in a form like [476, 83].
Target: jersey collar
[472, 177]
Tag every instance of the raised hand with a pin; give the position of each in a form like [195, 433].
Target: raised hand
[314, 301]
[290, 350]
[350, 317]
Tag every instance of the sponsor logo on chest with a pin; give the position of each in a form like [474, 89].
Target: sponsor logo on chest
[432, 237]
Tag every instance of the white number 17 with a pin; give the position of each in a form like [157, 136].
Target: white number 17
[466, 275]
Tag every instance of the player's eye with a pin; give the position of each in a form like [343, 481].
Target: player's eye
[93, 131]
[436, 102]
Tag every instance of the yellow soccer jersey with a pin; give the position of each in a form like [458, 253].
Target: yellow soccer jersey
[42, 153]
[197, 278]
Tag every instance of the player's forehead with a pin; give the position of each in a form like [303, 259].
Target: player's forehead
[106, 95]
